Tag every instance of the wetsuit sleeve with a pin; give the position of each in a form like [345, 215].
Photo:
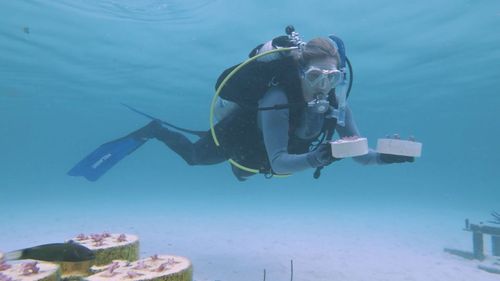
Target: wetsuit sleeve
[275, 125]
[351, 129]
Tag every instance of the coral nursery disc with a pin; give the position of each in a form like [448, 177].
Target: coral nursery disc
[30, 270]
[164, 268]
[105, 240]
[108, 247]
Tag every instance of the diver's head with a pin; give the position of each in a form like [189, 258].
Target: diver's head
[319, 68]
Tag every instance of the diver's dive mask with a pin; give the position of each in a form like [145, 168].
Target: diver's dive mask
[322, 79]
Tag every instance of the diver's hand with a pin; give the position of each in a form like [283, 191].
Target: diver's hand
[322, 156]
[391, 158]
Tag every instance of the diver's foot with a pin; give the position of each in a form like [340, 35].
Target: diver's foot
[149, 131]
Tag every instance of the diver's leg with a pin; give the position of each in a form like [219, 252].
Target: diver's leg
[202, 152]
[206, 152]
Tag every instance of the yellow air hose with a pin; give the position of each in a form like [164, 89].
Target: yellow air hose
[214, 101]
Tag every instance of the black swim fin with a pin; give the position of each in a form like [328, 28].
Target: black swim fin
[192, 132]
[106, 156]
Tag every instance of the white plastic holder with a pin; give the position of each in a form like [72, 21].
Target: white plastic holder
[349, 147]
[399, 147]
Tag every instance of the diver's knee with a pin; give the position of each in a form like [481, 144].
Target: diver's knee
[191, 159]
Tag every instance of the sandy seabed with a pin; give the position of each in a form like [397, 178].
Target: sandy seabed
[347, 245]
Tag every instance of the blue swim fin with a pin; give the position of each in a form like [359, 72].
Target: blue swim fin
[106, 156]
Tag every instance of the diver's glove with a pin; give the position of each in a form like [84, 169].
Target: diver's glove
[322, 156]
[391, 158]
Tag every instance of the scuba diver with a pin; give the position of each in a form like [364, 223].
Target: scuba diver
[275, 114]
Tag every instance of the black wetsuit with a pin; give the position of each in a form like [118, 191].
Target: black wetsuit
[274, 126]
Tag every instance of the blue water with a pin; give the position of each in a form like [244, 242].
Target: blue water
[425, 68]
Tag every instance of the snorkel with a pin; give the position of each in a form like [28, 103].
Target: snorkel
[344, 86]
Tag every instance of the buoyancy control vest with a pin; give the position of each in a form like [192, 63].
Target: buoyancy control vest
[249, 84]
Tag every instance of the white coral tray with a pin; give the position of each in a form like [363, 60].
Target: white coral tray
[349, 147]
[399, 147]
